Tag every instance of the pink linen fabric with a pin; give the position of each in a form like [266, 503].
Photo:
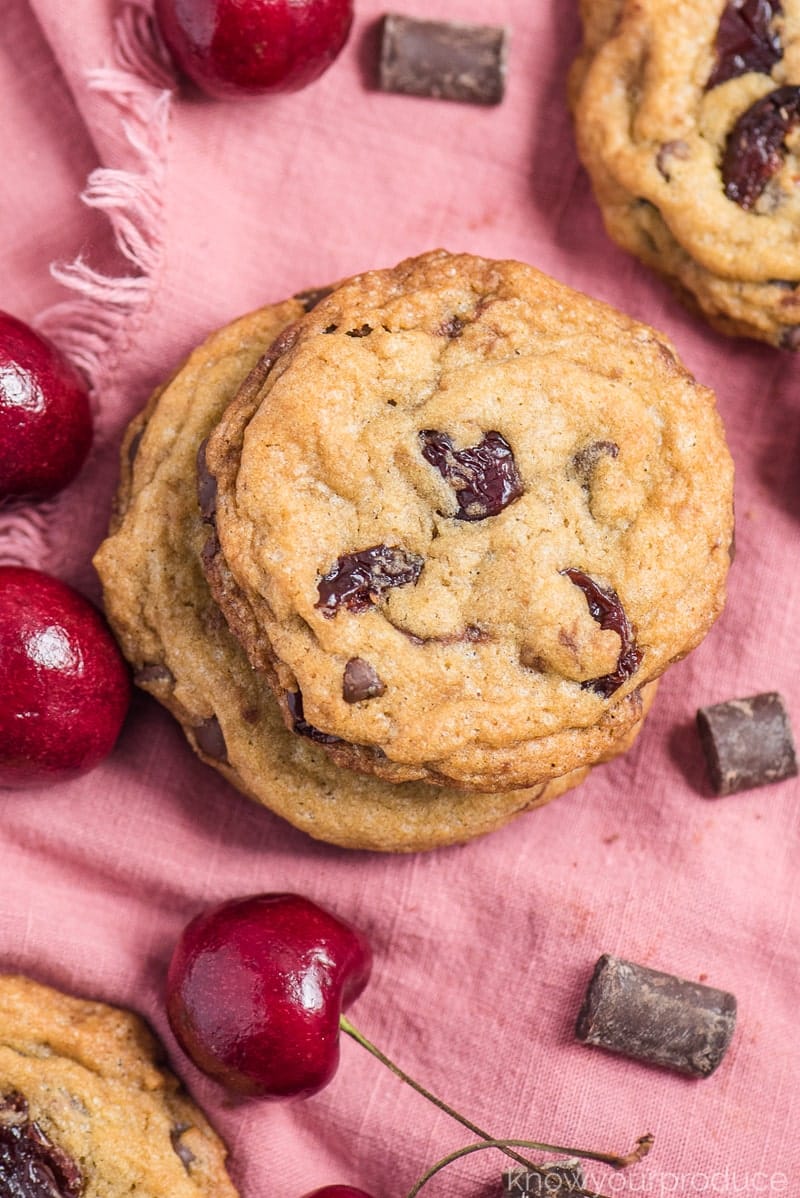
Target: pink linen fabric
[195, 212]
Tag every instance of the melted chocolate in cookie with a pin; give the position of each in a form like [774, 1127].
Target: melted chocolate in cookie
[606, 609]
[361, 681]
[746, 40]
[484, 476]
[30, 1165]
[754, 150]
[585, 460]
[358, 580]
[301, 726]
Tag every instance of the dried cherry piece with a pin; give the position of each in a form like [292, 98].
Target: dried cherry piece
[358, 580]
[753, 150]
[606, 609]
[30, 1165]
[484, 476]
[746, 40]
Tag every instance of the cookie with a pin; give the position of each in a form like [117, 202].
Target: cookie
[688, 122]
[460, 515]
[183, 653]
[87, 1109]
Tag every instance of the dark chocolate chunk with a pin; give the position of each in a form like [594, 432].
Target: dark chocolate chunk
[606, 609]
[358, 580]
[360, 681]
[668, 152]
[585, 460]
[294, 701]
[656, 1017]
[484, 476]
[790, 338]
[182, 1150]
[452, 328]
[133, 447]
[746, 40]
[153, 673]
[206, 485]
[31, 1166]
[747, 742]
[557, 1180]
[443, 60]
[754, 149]
[364, 331]
[309, 299]
[210, 739]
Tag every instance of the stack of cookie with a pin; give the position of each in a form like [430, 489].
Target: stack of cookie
[688, 122]
[405, 556]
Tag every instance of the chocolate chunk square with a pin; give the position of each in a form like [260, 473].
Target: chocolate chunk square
[444, 60]
[656, 1017]
[747, 742]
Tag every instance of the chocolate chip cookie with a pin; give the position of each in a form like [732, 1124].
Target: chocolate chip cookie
[460, 515]
[688, 122]
[184, 654]
[87, 1110]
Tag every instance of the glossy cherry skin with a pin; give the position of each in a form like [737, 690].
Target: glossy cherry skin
[255, 990]
[45, 420]
[231, 48]
[337, 1192]
[65, 688]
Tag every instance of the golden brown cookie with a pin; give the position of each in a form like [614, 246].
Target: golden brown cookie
[88, 1110]
[462, 515]
[688, 121]
[183, 653]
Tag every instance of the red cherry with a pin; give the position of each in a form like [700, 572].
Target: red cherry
[249, 47]
[255, 990]
[337, 1192]
[65, 687]
[45, 421]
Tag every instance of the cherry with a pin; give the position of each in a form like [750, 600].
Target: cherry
[248, 47]
[255, 991]
[45, 421]
[65, 686]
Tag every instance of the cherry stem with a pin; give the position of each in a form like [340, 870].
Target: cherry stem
[643, 1146]
[606, 1158]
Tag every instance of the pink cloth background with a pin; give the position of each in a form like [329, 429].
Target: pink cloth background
[483, 951]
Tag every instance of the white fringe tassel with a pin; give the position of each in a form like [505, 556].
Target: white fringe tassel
[94, 325]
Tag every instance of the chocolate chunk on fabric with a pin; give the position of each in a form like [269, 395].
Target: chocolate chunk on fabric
[31, 1166]
[656, 1017]
[747, 742]
[443, 60]
[484, 477]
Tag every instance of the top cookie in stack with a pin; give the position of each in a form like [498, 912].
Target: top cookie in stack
[461, 515]
[688, 122]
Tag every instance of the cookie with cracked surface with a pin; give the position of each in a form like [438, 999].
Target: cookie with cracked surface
[461, 515]
[184, 654]
[87, 1109]
[687, 119]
